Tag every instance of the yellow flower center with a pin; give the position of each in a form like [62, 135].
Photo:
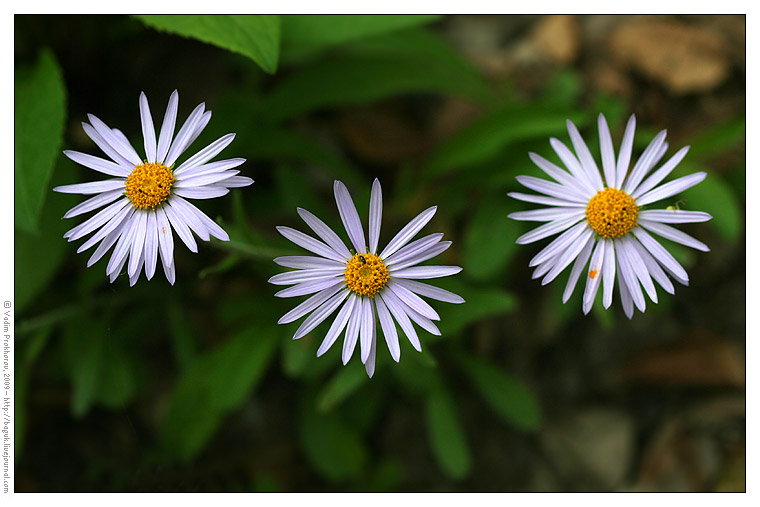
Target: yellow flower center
[612, 213]
[148, 185]
[366, 274]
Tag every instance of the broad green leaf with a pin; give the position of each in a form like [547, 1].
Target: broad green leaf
[409, 62]
[446, 435]
[304, 34]
[255, 36]
[343, 384]
[718, 140]
[489, 241]
[214, 385]
[480, 303]
[490, 135]
[332, 447]
[506, 395]
[296, 355]
[84, 349]
[40, 112]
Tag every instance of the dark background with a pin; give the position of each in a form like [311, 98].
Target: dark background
[195, 388]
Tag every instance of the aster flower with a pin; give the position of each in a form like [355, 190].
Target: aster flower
[602, 217]
[364, 282]
[147, 198]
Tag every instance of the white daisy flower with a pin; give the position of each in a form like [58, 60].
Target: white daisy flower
[147, 197]
[364, 282]
[602, 217]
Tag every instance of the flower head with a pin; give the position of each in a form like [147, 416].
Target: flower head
[364, 282]
[603, 217]
[147, 197]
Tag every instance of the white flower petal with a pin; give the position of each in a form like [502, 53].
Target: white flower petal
[560, 175]
[93, 203]
[586, 160]
[644, 163]
[408, 232]
[550, 228]
[310, 244]
[389, 328]
[397, 309]
[148, 130]
[181, 228]
[412, 300]
[662, 256]
[323, 231]
[307, 288]
[608, 272]
[625, 295]
[138, 242]
[350, 217]
[367, 331]
[106, 147]
[561, 242]
[429, 291]
[338, 324]
[151, 245]
[167, 127]
[205, 154]
[422, 256]
[673, 234]
[97, 164]
[165, 239]
[352, 331]
[117, 142]
[575, 273]
[375, 215]
[182, 140]
[660, 173]
[187, 217]
[572, 163]
[305, 275]
[638, 267]
[424, 272]
[204, 179]
[592, 283]
[414, 248]
[321, 313]
[674, 216]
[236, 182]
[624, 155]
[553, 189]
[308, 262]
[672, 188]
[112, 224]
[207, 192]
[540, 199]
[546, 214]
[93, 187]
[211, 167]
[569, 255]
[110, 239]
[631, 281]
[310, 304]
[653, 267]
[608, 152]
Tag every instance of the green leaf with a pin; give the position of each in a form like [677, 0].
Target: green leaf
[506, 395]
[332, 447]
[718, 140]
[485, 138]
[446, 435]
[489, 242]
[214, 385]
[184, 339]
[343, 384]
[305, 34]
[411, 61]
[84, 348]
[40, 112]
[255, 36]
[117, 384]
[20, 391]
[480, 303]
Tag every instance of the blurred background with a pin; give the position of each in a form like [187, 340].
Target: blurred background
[196, 388]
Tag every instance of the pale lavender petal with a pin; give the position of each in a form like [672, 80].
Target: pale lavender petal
[138, 242]
[151, 245]
[204, 179]
[93, 187]
[561, 176]
[181, 141]
[673, 234]
[211, 226]
[369, 364]
[165, 240]
[559, 243]
[552, 189]
[199, 128]
[625, 296]
[321, 313]
[375, 215]
[140, 262]
[672, 188]
[94, 203]
[307, 262]
[122, 146]
[338, 324]
[662, 256]
[323, 231]
[592, 283]
[422, 321]
[584, 155]
[397, 309]
[653, 267]
[206, 153]
[187, 217]
[575, 273]
[674, 216]
[108, 242]
[546, 214]
[237, 182]
[430, 291]
[349, 216]
[389, 328]
[414, 248]
[367, 332]
[660, 174]
[638, 267]
[569, 255]
[540, 199]
[644, 163]
[626, 270]
[310, 243]
[148, 130]
[608, 152]
[413, 301]
[429, 253]
[310, 304]
[423, 272]
[624, 155]
[116, 271]
[122, 248]
[550, 228]
[97, 164]
[106, 148]
[305, 275]
[181, 228]
[96, 220]
[211, 167]
[406, 234]
[608, 272]
[112, 224]
[207, 192]
[306, 288]
[352, 331]
[167, 127]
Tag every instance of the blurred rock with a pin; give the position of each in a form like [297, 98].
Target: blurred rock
[681, 57]
[703, 360]
[558, 38]
[591, 449]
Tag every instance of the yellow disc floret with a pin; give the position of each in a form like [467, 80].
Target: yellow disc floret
[366, 274]
[612, 213]
[148, 185]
